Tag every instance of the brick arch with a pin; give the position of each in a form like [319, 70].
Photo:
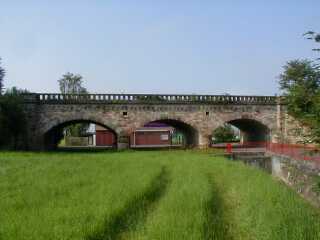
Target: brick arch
[191, 132]
[124, 113]
[253, 129]
[51, 133]
[269, 123]
[56, 122]
[169, 118]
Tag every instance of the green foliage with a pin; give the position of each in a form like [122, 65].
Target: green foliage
[12, 120]
[224, 133]
[72, 84]
[316, 186]
[2, 74]
[300, 83]
[76, 130]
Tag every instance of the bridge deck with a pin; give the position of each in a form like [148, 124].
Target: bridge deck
[56, 98]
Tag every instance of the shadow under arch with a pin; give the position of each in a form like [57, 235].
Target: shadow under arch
[52, 137]
[251, 130]
[190, 133]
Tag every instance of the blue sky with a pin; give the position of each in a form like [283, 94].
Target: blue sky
[203, 47]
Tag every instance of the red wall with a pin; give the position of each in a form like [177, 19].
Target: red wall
[105, 138]
[150, 138]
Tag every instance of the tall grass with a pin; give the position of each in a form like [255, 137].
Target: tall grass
[67, 196]
[182, 211]
[134, 212]
[260, 207]
[146, 195]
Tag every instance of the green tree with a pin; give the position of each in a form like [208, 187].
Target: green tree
[2, 74]
[73, 84]
[12, 120]
[300, 84]
[224, 133]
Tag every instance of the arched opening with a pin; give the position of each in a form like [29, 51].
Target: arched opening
[251, 130]
[242, 131]
[164, 133]
[80, 134]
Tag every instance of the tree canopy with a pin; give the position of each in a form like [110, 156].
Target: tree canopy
[12, 120]
[223, 134]
[71, 84]
[300, 83]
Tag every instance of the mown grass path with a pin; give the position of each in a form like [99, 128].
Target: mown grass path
[146, 195]
[217, 224]
[135, 211]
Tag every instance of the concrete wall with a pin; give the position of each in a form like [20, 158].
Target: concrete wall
[302, 176]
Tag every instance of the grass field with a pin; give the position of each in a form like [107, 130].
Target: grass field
[146, 195]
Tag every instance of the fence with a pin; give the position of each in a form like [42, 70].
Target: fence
[295, 151]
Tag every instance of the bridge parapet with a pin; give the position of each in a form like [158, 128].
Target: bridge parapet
[57, 98]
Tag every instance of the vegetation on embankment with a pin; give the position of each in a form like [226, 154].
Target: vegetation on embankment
[300, 85]
[146, 195]
[13, 131]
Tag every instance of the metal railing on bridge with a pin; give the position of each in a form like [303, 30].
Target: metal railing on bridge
[294, 151]
[56, 98]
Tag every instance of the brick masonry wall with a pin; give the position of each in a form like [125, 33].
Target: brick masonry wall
[123, 118]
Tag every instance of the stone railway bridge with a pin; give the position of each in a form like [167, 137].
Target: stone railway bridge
[259, 118]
